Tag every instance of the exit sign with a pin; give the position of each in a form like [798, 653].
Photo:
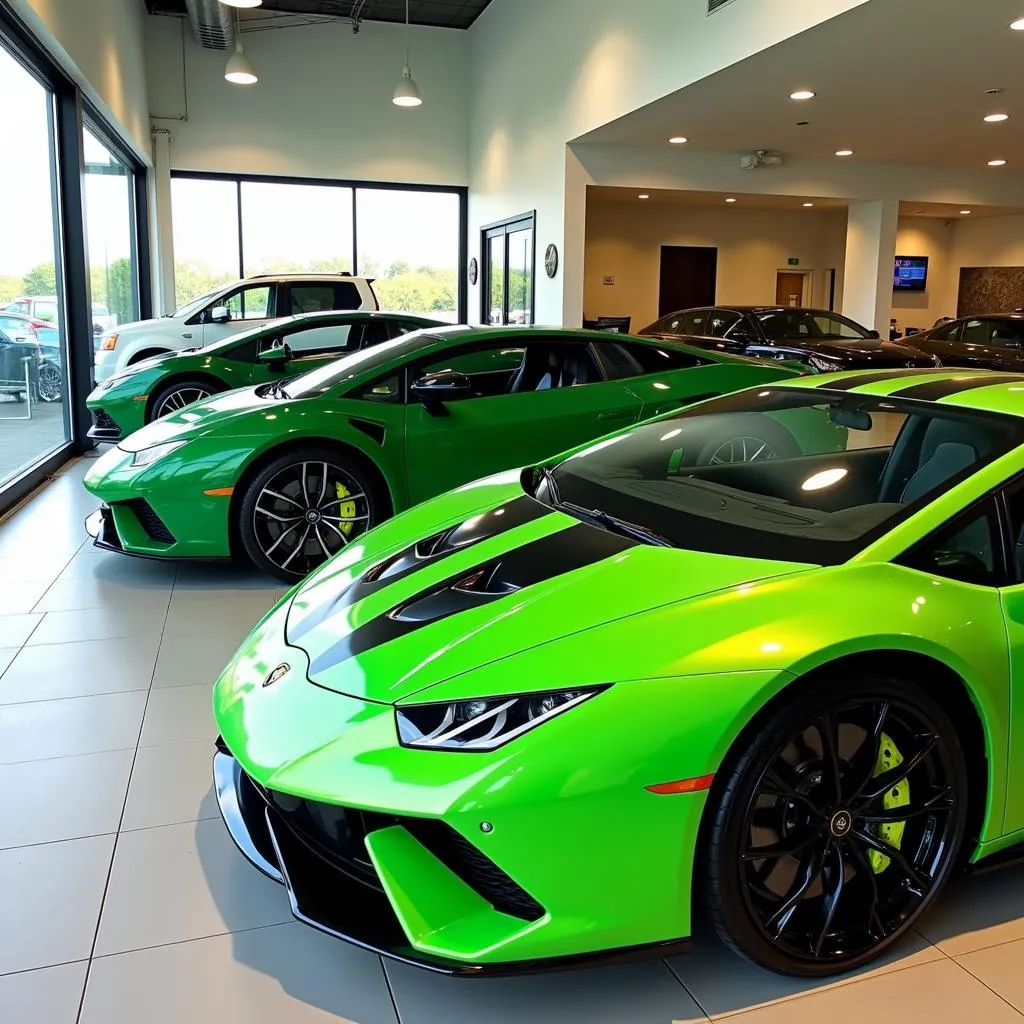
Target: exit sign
[793, 261]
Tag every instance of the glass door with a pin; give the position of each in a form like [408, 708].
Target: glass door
[509, 271]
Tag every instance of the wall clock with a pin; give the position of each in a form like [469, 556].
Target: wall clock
[474, 270]
[551, 260]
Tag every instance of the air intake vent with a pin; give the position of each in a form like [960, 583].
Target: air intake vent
[717, 5]
[211, 24]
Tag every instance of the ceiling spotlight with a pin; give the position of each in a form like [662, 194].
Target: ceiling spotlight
[802, 94]
[844, 152]
[407, 92]
[997, 163]
[643, 195]
[730, 200]
[242, 3]
[678, 140]
[963, 213]
[994, 118]
[1018, 25]
[808, 204]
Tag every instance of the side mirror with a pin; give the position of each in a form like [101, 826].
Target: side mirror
[275, 356]
[874, 334]
[219, 315]
[437, 388]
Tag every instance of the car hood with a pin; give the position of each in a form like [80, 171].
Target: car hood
[222, 411]
[514, 577]
[866, 351]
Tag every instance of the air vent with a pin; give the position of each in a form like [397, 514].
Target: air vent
[717, 5]
[211, 24]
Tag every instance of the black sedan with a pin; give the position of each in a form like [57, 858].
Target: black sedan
[819, 339]
[991, 342]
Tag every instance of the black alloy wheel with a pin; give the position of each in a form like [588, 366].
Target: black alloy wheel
[49, 383]
[762, 439]
[837, 827]
[303, 508]
[178, 395]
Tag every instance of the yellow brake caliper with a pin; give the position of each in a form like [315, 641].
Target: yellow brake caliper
[890, 832]
[347, 509]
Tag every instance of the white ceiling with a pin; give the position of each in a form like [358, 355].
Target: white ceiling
[896, 80]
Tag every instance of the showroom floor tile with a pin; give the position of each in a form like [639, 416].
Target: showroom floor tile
[123, 899]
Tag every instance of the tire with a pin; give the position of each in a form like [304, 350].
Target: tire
[177, 395]
[762, 439]
[50, 383]
[835, 886]
[299, 494]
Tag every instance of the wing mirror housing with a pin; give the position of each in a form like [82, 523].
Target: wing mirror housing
[275, 356]
[435, 389]
[219, 315]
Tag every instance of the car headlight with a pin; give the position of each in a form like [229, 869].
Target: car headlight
[109, 343]
[484, 724]
[823, 365]
[147, 456]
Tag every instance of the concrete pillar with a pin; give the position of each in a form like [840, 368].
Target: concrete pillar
[163, 300]
[870, 251]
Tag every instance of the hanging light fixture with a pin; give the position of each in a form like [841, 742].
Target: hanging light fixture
[408, 92]
[240, 70]
[241, 3]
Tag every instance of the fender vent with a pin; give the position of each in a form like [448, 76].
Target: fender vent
[374, 431]
[717, 5]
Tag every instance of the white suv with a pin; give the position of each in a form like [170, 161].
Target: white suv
[231, 308]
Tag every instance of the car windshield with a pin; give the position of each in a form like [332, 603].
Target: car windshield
[322, 379]
[797, 475]
[800, 323]
[193, 307]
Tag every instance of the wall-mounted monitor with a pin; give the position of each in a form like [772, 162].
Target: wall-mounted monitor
[910, 274]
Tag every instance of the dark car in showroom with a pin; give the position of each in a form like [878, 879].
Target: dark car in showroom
[993, 341]
[819, 339]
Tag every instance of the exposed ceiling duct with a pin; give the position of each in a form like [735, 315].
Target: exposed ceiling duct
[211, 24]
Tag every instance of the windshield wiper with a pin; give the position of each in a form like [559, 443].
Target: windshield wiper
[277, 390]
[548, 477]
[617, 525]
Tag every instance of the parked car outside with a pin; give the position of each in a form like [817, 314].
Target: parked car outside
[817, 338]
[228, 310]
[19, 366]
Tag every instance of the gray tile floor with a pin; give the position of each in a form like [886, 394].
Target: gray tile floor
[122, 899]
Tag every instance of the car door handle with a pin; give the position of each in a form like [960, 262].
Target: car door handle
[616, 414]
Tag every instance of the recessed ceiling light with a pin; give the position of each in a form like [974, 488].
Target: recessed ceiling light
[1018, 25]
[993, 118]
[844, 152]
[643, 195]
[730, 200]
[963, 213]
[808, 204]
[997, 163]
[678, 140]
[802, 94]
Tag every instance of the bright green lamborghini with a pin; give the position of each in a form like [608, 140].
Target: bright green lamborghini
[153, 388]
[538, 719]
[292, 471]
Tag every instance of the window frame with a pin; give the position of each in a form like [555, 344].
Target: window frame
[502, 229]
[355, 184]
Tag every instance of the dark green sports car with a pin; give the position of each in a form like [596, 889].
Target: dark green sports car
[153, 388]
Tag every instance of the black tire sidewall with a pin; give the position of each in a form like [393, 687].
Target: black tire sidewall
[723, 895]
[247, 505]
[178, 385]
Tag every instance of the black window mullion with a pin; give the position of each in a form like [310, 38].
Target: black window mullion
[241, 243]
[355, 234]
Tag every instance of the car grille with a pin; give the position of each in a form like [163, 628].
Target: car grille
[102, 420]
[154, 526]
[338, 835]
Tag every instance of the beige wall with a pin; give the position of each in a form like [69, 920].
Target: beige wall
[99, 43]
[624, 240]
[931, 237]
[988, 242]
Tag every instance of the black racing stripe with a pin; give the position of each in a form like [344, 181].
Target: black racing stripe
[936, 389]
[860, 377]
[427, 551]
[540, 560]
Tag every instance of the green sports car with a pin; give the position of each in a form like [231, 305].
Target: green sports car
[153, 388]
[538, 719]
[290, 472]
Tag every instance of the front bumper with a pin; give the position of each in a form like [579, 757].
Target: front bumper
[351, 896]
[104, 427]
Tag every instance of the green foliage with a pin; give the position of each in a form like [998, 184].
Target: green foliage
[41, 280]
[10, 288]
[112, 286]
[193, 279]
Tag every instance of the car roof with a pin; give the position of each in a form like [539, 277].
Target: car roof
[981, 390]
[986, 316]
[303, 277]
[764, 309]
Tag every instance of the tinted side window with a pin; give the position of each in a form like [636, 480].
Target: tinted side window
[1006, 333]
[618, 363]
[317, 297]
[335, 338]
[683, 322]
[976, 332]
[966, 550]
[384, 389]
[947, 333]
[719, 321]
[658, 359]
[743, 330]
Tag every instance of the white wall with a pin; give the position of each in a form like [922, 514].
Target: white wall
[931, 237]
[624, 240]
[545, 73]
[322, 107]
[99, 42]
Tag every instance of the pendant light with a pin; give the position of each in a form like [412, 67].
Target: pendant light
[240, 70]
[408, 92]
[241, 3]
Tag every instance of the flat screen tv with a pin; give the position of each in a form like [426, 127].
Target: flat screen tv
[910, 274]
